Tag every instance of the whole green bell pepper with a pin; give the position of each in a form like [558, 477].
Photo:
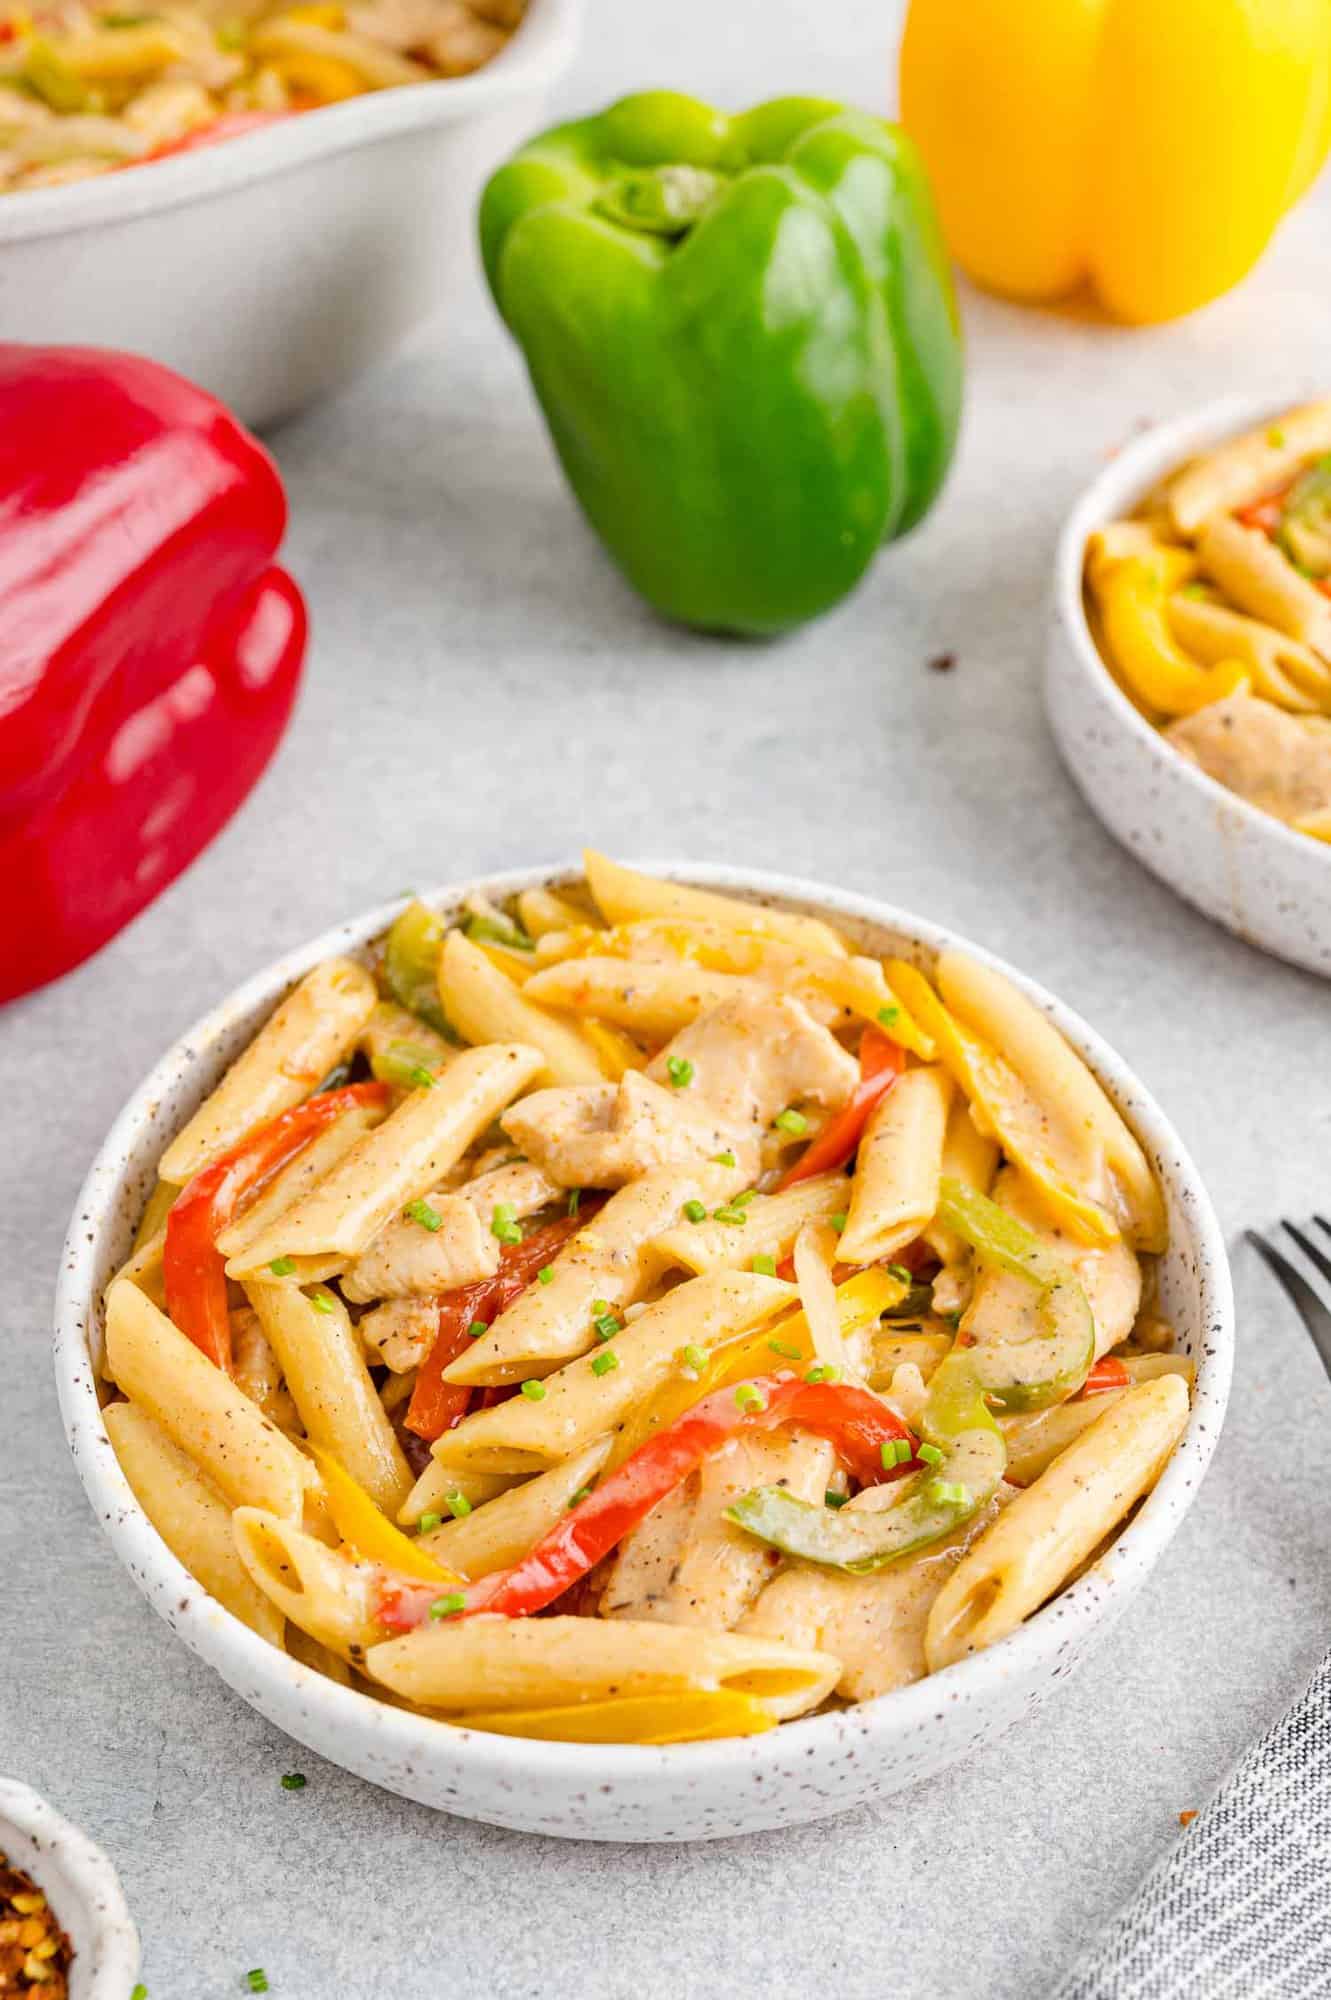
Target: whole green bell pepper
[743, 334]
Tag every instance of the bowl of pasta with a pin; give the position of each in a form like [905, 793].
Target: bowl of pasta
[1188, 671]
[304, 175]
[641, 1355]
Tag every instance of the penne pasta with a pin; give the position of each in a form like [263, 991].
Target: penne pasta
[327, 1595]
[588, 1397]
[653, 1000]
[190, 1515]
[312, 1031]
[971, 1157]
[625, 896]
[324, 1365]
[298, 1180]
[895, 1190]
[484, 1006]
[430, 1493]
[503, 1529]
[493, 1664]
[1055, 1524]
[1252, 571]
[394, 1164]
[1246, 467]
[771, 1224]
[1283, 671]
[247, 1458]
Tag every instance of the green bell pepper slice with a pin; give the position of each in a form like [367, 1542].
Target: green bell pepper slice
[1305, 520]
[411, 965]
[743, 335]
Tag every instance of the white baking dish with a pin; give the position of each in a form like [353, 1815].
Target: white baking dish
[273, 267]
[803, 1771]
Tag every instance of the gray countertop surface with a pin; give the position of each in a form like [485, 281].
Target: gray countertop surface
[482, 691]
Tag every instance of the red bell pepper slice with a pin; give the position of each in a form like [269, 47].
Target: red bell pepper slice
[857, 1423]
[881, 1063]
[1265, 513]
[1108, 1373]
[193, 1268]
[150, 652]
[436, 1406]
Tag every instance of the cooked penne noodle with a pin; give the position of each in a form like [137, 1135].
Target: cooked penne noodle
[430, 1493]
[1251, 570]
[144, 1268]
[310, 1166]
[652, 1000]
[625, 896]
[153, 1220]
[1055, 1524]
[484, 1007]
[608, 1265]
[1283, 671]
[587, 1397]
[394, 1164]
[771, 1224]
[327, 1595]
[189, 1514]
[1242, 470]
[491, 1536]
[895, 1190]
[324, 1365]
[201, 1409]
[315, 1027]
[971, 1157]
[491, 1663]
[544, 910]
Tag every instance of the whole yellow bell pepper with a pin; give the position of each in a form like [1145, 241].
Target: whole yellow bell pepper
[1149, 147]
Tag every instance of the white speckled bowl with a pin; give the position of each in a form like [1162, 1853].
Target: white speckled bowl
[1251, 873]
[80, 1885]
[801, 1771]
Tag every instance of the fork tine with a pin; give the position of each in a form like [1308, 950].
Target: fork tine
[1313, 1312]
[1316, 1256]
[1323, 1224]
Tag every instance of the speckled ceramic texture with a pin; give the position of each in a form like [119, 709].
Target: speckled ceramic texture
[82, 1888]
[1248, 871]
[802, 1771]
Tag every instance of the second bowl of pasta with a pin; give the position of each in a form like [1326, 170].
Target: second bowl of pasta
[1188, 667]
[606, 1352]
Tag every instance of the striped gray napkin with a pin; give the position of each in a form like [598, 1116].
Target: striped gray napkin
[1240, 1908]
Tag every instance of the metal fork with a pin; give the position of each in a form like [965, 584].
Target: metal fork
[1312, 1296]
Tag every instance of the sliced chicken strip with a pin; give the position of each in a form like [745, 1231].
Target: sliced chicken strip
[686, 1564]
[408, 1258]
[400, 1333]
[1280, 763]
[753, 1056]
[607, 1134]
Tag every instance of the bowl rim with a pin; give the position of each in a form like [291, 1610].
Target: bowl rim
[69, 1867]
[1116, 488]
[210, 1631]
[532, 58]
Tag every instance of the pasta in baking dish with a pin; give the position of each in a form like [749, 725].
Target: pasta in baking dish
[633, 1315]
[1213, 606]
[90, 85]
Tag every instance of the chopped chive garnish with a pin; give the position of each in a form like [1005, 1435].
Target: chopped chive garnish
[421, 1077]
[694, 1358]
[900, 1273]
[282, 1267]
[723, 1159]
[546, 1275]
[421, 1211]
[600, 1306]
[504, 1223]
[947, 1493]
[449, 1606]
[831, 1499]
[322, 1301]
[477, 1328]
[497, 930]
[576, 1499]
[574, 1200]
[140, 1992]
[429, 1522]
[729, 1213]
[764, 1265]
[750, 1397]
[294, 1781]
[695, 1211]
[680, 1071]
[929, 1454]
[743, 1200]
[823, 1371]
[458, 1505]
[888, 1016]
[603, 1362]
[786, 1348]
[791, 1121]
[257, 1980]
[895, 1451]
[607, 1326]
[534, 1391]
[1275, 437]
[838, 1221]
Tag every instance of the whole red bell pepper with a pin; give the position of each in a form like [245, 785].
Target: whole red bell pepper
[149, 649]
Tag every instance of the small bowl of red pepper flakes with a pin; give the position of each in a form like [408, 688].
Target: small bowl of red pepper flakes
[65, 1931]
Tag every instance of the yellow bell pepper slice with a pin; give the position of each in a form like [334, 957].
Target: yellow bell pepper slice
[1149, 147]
[1002, 1108]
[688, 1717]
[369, 1531]
[1316, 825]
[326, 78]
[1133, 596]
[614, 1050]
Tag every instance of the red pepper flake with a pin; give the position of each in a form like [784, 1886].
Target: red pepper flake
[942, 663]
[1186, 1818]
